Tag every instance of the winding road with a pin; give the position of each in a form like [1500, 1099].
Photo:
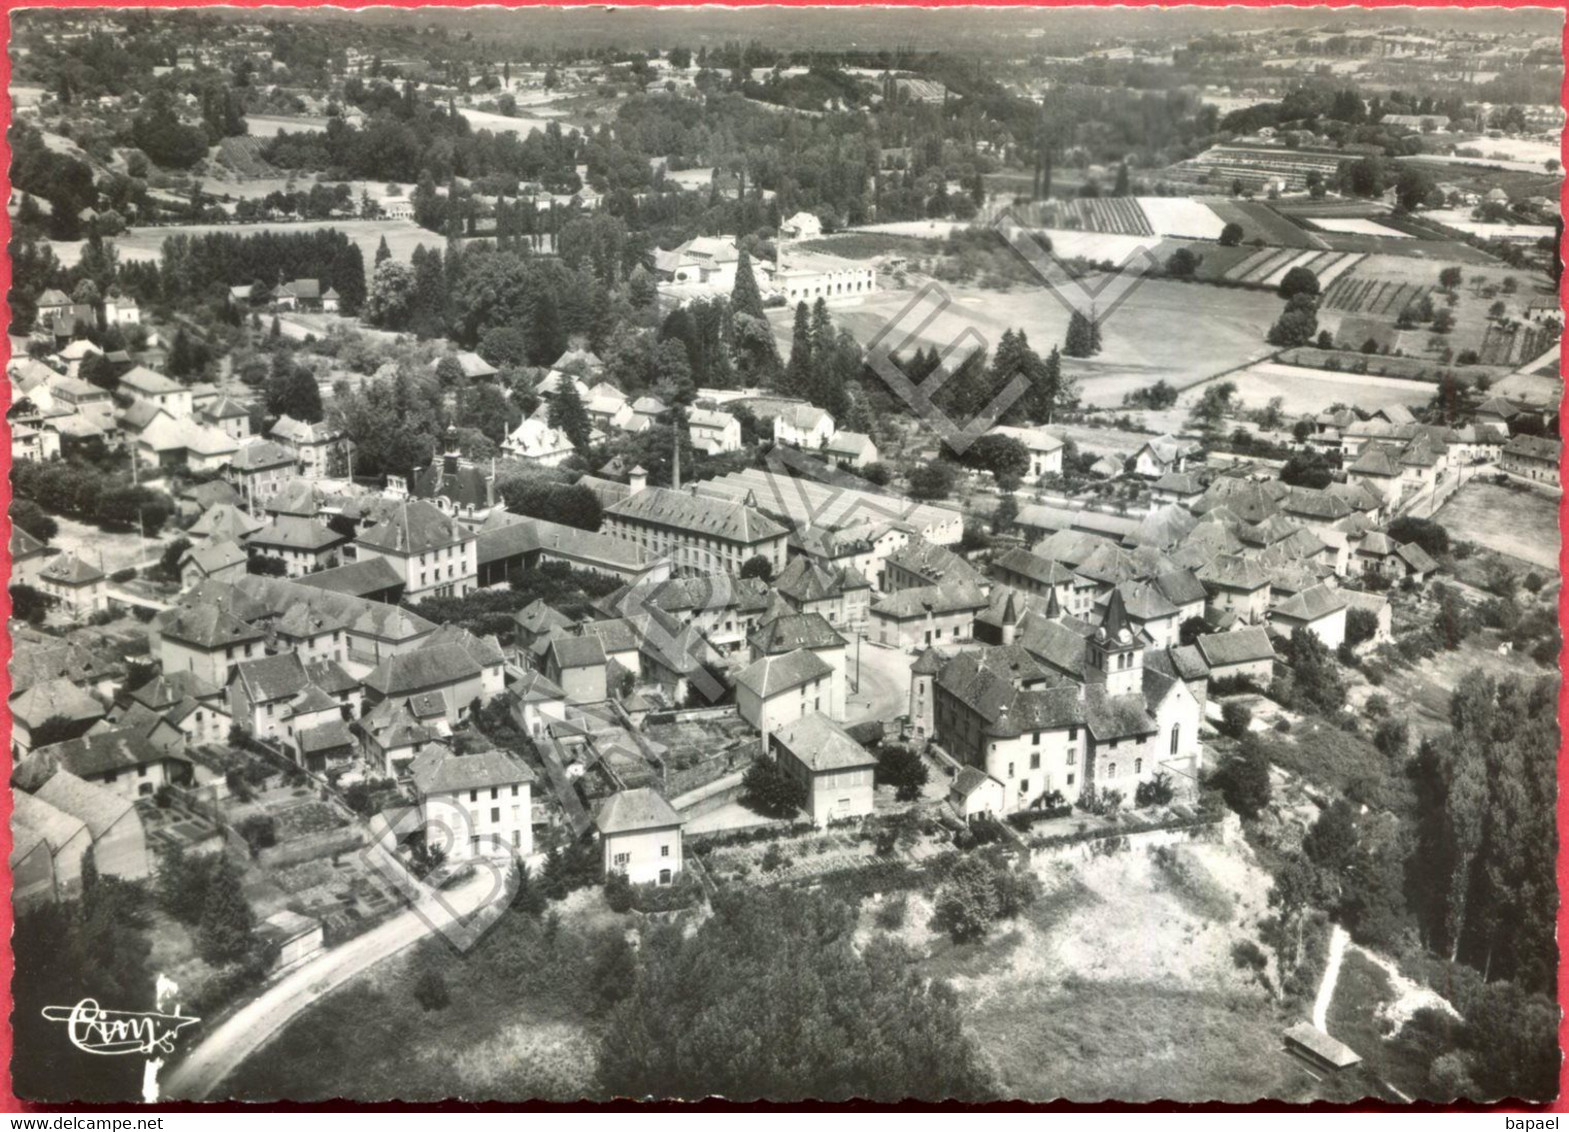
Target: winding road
[209, 1064]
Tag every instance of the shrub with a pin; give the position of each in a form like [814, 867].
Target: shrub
[430, 990]
[1235, 718]
[1157, 791]
[773, 858]
[618, 892]
[891, 913]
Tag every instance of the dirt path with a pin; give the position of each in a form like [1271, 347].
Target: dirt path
[1326, 989]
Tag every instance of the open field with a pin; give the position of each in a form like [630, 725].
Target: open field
[1357, 226]
[1305, 391]
[402, 236]
[1119, 982]
[1259, 221]
[268, 126]
[1520, 522]
[1178, 332]
[521, 124]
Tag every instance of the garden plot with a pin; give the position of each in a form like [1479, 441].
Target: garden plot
[1096, 246]
[1179, 216]
[1245, 268]
[268, 126]
[1305, 259]
[1267, 267]
[1358, 226]
[1334, 268]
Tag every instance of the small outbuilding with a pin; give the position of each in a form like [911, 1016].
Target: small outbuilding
[1320, 1050]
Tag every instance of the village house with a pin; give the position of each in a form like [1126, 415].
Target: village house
[803, 425]
[1163, 454]
[1237, 586]
[1240, 654]
[713, 431]
[28, 557]
[451, 667]
[534, 441]
[834, 771]
[319, 451]
[124, 760]
[853, 449]
[302, 545]
[640, 836]
[1533, 457]
[1070, 708]
[260, 469]
[142, 384]
[430, 551]
[119, 841]
[48, 846]
[73, 585]
[222, 561]
[779, 689]
[1319, 609]
[59, 701]
[787, 633]
[925, 615]
[576, 665]
[1045, 449]
[206, 641]
[475, 806]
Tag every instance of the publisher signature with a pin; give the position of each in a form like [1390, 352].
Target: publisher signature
[92, 1029]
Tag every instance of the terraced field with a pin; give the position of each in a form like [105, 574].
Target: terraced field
[1268, 266]
[1117, 215]
[1373, 296]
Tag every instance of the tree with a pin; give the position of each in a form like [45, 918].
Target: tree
[769, 790]
[1297, 324]
[568, 413]
[842, 1018]
[33, 519]
[757, 566]
[1213, 406]
[1002, 456]
[1413, 188]
[1450, 277]
[1080, 342]
[1307, 469]
[1243, 778]
[1006, 514]
[383, 252]
[902, 768]
[966, 903]
[1298, 281]
[430, 989]
[224, 931]
[933, 481]
[1231, 235]
[1431, 536]
[1182, 264]
[29, 604]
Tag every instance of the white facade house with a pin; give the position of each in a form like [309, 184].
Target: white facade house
[640, 834]
[475, 806]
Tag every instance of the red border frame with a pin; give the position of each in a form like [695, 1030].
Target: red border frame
[10, 1103]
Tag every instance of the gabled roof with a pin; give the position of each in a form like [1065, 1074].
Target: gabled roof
[1232, 571]
[423, 669]
[795, 631]
[205, 626]
[260, 456]
[629, 811]
[113, 749]
[97, 808]
[1311, 604]
[720, 518]
[293, 532]
[1240, 646]
[820, 744]
[415, 528]
[69, 570]
[576, 652]
[774, 674]
[441, 772]
[269, 678]
[55, 698]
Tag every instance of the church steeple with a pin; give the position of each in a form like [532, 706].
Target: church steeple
[1116, 651]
